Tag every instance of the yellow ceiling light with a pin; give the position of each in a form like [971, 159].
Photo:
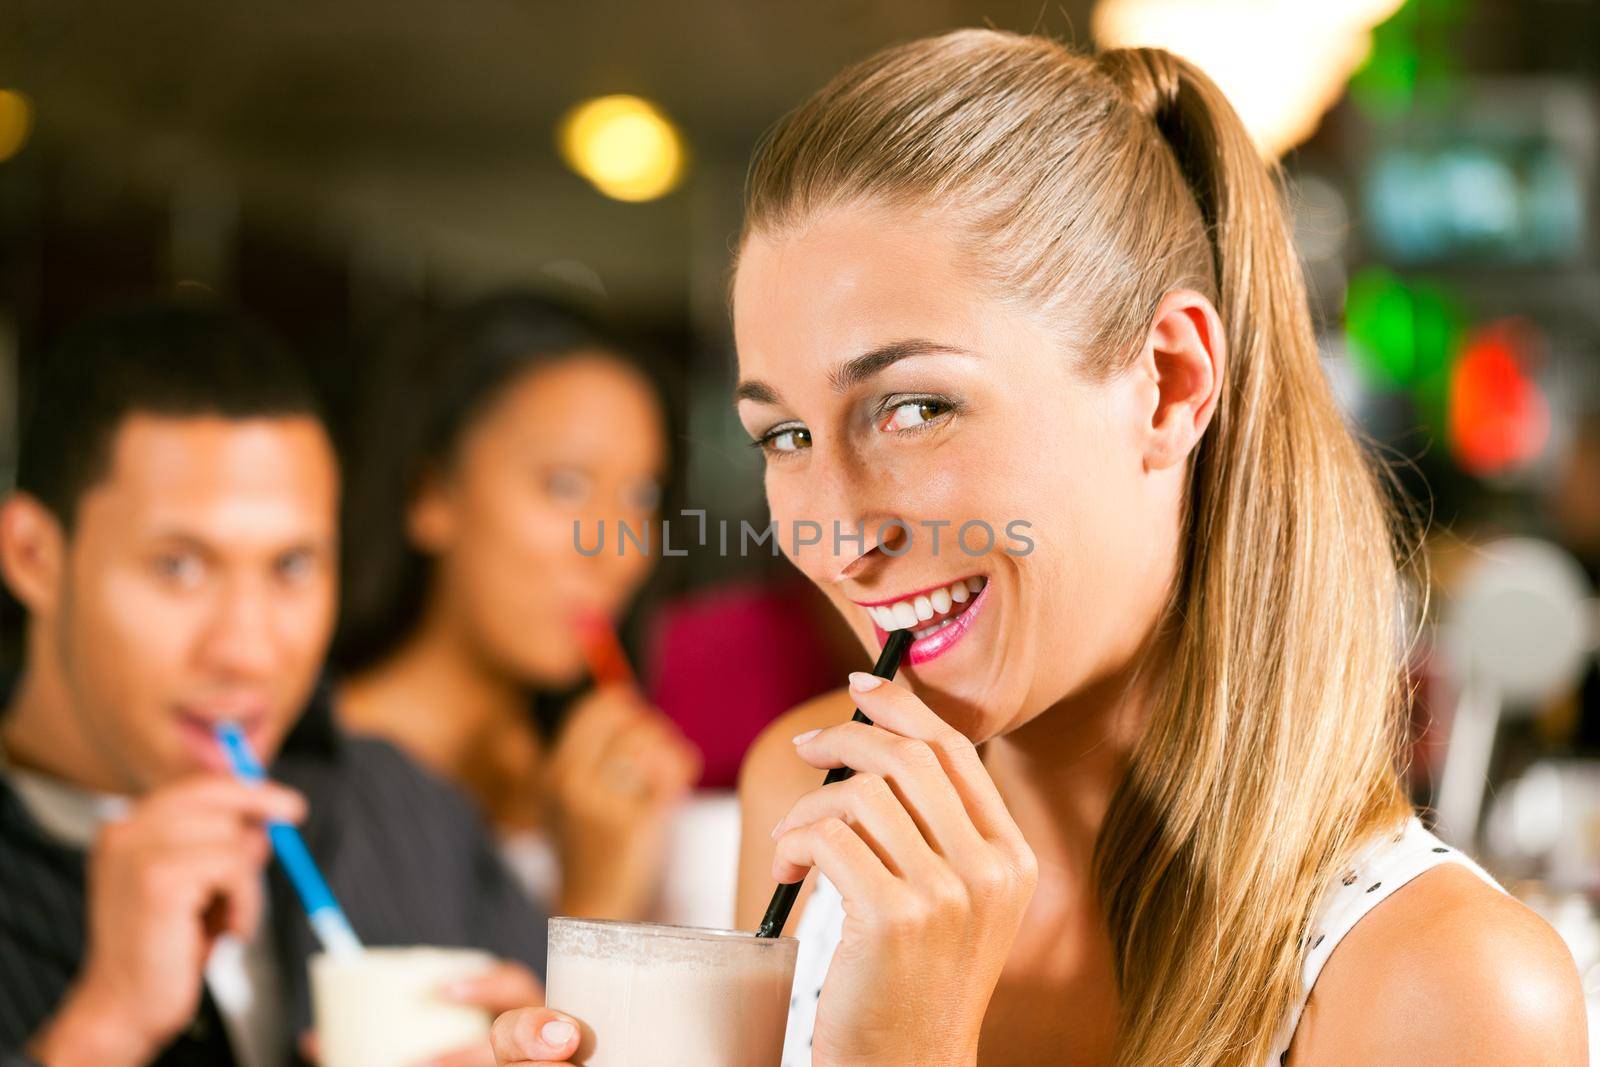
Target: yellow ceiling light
[1282, 63]
[625, 146]
[16, 121]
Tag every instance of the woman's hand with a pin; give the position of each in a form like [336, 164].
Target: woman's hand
[618, 769]
[934, 874]
[534, 1037]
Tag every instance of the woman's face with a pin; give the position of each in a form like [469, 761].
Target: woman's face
[578, 440]
[887, 385]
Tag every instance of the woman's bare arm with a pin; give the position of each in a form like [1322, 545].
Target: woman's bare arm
[770, 781]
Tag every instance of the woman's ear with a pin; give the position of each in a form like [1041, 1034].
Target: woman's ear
[431, 516]
[1184, 358]
[33, 553]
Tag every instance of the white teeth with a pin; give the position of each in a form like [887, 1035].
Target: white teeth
[935, 628]
[906, 614]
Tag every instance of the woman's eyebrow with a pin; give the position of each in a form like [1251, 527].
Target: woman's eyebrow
[855, 371]
[757, 390]
[859, 369]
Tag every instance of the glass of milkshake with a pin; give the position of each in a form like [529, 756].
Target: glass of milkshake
[381, 1007]
[671, 996]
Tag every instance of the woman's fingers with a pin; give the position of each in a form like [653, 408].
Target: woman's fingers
[838, 852]
[868, 806]
[631, 755]
[896, 709]
[911, 768]
[591, 728]
[534, 1036]
[669, 760]
[634, 753]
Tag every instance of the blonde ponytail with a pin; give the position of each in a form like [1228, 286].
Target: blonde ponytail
[1273, 754]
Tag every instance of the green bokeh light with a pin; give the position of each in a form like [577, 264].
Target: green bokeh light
[1404, 336]
[1413, 55]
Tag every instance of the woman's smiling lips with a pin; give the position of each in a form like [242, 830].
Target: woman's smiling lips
[938, 617]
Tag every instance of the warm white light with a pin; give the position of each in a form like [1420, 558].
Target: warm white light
[1282, 63]
[625, 146]
[16, 121]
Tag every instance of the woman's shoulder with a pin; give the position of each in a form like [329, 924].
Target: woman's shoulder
[771, 779]
[1447, 969]
[771, 771]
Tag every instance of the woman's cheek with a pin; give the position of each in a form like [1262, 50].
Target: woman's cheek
[784, 512]
[635, 566]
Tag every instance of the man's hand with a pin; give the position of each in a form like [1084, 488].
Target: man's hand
[183, 868]
[504, 988]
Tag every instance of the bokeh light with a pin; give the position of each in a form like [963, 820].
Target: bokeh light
[1401, 334]
[16, 122]
[1282, 63]
[625, 146]
[1499, 418]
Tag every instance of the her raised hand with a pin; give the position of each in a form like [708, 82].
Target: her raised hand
[934, 874]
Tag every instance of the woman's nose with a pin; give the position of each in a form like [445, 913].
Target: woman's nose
[883, 540]
[844, 521]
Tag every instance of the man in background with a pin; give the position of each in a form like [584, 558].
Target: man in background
[173, 542]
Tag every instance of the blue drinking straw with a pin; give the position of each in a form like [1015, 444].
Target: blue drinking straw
[327, 918]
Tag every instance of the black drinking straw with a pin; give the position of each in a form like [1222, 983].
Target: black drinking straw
[783, 897]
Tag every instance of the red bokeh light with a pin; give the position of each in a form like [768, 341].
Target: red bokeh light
[1499, 418]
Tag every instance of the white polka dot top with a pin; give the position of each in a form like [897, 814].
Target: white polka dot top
[1378, 870]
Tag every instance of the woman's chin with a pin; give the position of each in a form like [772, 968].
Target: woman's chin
[546, 671]
[969, 712]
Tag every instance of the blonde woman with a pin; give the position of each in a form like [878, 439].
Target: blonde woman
[1140, 794]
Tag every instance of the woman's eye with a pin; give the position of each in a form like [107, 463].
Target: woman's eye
[913, 414]
[564, 483]
[295, 566]
[643, 496]
[785, 439]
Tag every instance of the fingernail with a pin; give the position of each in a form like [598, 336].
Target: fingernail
[801, 739]
[861, 681]
[778, 827]
[557, 1032]
[456, 990]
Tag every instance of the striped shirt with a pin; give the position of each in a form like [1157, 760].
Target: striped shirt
[408, 856]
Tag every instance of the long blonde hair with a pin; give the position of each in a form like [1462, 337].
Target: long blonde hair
[1270, 756]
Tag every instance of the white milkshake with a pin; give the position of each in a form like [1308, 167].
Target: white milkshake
[653, 995]
[381, 1008]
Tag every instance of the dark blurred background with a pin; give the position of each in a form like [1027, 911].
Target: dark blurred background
[340, 168]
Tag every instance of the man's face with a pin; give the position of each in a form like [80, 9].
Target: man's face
[198, 588]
